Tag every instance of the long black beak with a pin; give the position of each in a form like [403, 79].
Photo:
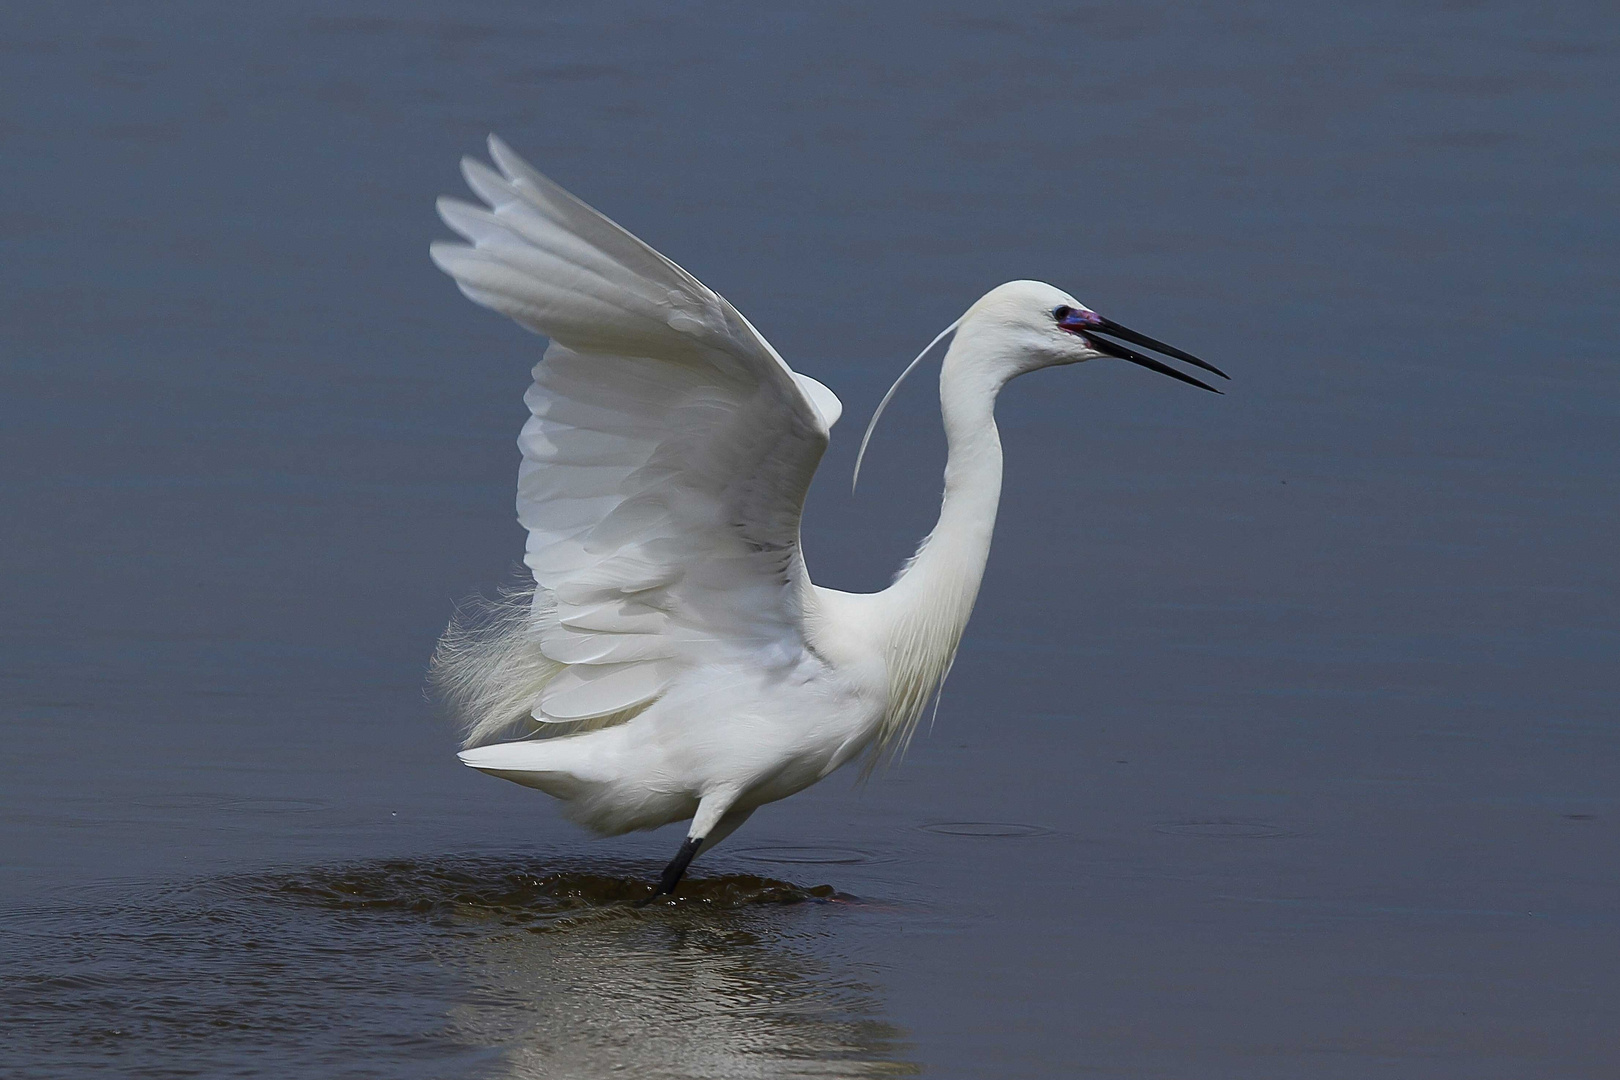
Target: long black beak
[1089, 325]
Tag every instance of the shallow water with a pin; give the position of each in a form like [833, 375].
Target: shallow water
[415, 968]
[1283, 743]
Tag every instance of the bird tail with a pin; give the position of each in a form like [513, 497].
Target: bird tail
[550, 765]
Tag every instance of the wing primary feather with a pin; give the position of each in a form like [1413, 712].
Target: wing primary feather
[665, 463]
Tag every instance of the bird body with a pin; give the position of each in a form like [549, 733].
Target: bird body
[673, 659]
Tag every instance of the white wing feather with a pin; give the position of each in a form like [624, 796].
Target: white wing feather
[665, 462]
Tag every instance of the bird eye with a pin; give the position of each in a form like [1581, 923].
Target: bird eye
[1061, 312]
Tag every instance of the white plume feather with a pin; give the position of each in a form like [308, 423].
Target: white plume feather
[884, 404]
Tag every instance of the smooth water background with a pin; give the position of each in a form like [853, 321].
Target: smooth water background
[1297, 705]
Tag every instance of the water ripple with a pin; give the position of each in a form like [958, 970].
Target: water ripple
[464, 966]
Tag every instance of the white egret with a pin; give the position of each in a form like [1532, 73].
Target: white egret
[673, 659]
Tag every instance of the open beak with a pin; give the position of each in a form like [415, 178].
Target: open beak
[1089, 325]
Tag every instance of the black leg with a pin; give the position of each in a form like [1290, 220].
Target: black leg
[677, 866]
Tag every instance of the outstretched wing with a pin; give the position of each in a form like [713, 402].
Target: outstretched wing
[666, 460]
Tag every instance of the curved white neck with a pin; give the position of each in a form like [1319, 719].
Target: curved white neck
[930, 601]
[951, 559]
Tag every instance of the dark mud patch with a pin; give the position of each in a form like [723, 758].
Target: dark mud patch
[535, 895]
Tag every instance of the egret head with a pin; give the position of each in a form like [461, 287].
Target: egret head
[1042, 326]
[1024, 326]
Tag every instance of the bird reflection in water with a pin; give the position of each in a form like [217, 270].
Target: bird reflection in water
[463, 966]
[739, 976]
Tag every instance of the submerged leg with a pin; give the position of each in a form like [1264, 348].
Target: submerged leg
[712, 823]
[677, 866]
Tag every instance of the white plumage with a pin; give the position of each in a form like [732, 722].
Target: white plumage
[673, 658]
